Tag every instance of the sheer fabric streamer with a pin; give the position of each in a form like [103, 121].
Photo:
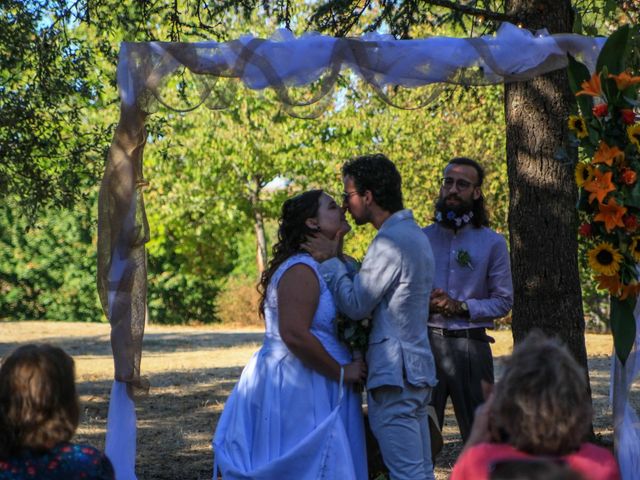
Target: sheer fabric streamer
[121, 432]
[626, 424]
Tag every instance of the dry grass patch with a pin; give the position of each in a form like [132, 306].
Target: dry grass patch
[192, 371]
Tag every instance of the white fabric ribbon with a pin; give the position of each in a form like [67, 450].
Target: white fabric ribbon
[626, 424]
[121, 433]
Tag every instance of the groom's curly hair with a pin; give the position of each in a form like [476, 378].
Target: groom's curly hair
[292, 233]
[380, 176]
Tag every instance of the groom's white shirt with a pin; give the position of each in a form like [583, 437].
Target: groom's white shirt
[394, 286]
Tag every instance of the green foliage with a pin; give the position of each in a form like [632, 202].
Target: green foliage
[47, 271]
[49, 154]
[209, 172]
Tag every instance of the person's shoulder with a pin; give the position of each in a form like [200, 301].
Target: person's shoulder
[430, 228]
[591, 450]
[489, 234]
[298, 261]
[87, 459]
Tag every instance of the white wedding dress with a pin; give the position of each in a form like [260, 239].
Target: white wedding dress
[284, 420]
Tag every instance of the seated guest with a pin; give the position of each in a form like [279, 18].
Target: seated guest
[39, 413]
[539, 409]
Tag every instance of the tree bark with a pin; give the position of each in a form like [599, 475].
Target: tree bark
[542, 213]
[258, 226]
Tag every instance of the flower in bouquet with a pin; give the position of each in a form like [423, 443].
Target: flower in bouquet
[609, 204]
[354, 333]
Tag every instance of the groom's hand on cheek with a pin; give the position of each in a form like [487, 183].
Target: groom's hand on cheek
[322, 248]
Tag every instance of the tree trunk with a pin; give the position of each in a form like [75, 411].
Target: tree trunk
[258, 226]
[542, 212]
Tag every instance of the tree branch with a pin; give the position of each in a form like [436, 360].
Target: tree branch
[476, 12]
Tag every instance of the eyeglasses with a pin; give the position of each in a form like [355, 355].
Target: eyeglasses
[448, 183]
[345, 196]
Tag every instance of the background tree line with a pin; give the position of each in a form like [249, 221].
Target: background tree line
[216, 178]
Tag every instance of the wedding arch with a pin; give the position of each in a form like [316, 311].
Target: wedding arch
[281, 63]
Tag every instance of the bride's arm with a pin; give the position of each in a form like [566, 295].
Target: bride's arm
[298, 296]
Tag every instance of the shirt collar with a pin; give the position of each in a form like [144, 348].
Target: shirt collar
[395, 218]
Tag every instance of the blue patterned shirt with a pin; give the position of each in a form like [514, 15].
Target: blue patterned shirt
[65, 461]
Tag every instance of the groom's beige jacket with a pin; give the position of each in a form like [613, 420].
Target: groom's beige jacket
[394, 286]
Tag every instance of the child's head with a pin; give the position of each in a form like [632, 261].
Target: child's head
[38, 402]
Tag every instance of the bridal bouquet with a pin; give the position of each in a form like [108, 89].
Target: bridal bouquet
[608, 135]
[354, 333]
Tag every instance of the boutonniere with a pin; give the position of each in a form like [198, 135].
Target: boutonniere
[464, 259]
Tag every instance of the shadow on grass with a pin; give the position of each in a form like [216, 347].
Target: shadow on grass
[152, 343]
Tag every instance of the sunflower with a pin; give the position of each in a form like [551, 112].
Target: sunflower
[578, 126]
[633, 132]
[635, 248]
[605, 259]
[583, 173]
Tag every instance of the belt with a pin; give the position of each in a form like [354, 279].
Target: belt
[470, 333]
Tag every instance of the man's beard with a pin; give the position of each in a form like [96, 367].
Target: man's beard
[458, 210]
[454, 216]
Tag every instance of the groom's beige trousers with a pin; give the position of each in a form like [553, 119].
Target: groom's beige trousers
[398, 419]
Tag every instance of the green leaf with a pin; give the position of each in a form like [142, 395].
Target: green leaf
[623, 326]
[614, 50]
[579, 73]
[633, 199]
[609, 7]
[577, 23]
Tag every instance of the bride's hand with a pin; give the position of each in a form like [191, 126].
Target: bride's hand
[355, 372]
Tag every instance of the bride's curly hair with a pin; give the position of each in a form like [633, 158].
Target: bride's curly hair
[292, 233]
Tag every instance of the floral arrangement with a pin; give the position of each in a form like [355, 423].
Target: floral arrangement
[608, 133]
[354, 333]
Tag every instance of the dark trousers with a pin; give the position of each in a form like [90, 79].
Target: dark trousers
[461, 363]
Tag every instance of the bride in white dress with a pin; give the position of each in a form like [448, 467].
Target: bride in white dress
[294, 413]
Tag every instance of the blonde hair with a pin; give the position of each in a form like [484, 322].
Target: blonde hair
[542, 404]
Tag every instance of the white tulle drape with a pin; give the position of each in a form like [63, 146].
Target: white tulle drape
[285, 64]
[626, 424]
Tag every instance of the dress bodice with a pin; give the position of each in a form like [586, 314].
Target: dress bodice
[323, 326]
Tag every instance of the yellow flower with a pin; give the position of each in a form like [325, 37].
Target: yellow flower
[591, 87]
[578, 125]
[635, 248]
[583, 173]
[633, 132]
[605, 259]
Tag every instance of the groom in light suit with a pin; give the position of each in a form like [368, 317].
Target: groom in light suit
[393, 286]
